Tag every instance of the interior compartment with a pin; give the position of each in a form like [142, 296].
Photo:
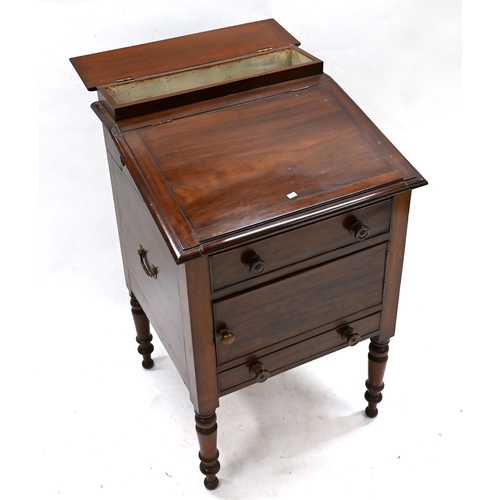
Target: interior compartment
[201, 76]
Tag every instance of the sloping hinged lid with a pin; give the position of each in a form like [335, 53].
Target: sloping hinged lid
[105, 68]
[232, 173]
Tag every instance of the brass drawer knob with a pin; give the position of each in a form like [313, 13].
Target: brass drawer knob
[226, 336]
[258, 370]
[255, 265]
[350, 336]
[359, 230]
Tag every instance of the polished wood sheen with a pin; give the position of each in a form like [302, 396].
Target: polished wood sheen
[216, 194]
[262, 216]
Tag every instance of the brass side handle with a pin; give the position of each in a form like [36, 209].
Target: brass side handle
[359, 230]
[150, 271]
[259, 371]
[226, 336]
[350, 336]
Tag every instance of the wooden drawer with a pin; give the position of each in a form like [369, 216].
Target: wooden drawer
[321, 295]
[283, 359]
[294, 246]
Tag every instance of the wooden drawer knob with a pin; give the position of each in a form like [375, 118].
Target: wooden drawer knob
[359, 230]
[255, 265]
[258, 370]
[226, 336]
[350, 336]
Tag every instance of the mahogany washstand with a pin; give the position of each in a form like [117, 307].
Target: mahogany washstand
[262, 216]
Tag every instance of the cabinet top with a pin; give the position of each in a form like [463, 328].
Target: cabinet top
[225, 168]
[139, 61]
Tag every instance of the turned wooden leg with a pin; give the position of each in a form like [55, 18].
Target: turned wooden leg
[206, 428]
[377, 360]
[144, 336]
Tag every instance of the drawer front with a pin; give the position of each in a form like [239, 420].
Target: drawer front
[302, 302]
[297, 354]
[294, 246]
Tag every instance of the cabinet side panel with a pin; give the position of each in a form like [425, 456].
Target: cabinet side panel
[160, 296]
[394, 268]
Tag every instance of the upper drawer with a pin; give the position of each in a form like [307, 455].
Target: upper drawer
[294, 246]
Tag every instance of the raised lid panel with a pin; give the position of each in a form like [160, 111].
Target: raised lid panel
[138, 61]
[244, 165]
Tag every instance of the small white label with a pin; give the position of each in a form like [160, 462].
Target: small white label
[292, 195]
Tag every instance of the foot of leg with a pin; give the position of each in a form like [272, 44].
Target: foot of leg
[144, 336]
[377, 360]
[206, 428]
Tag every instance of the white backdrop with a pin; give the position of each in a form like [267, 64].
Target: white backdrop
[88, 422]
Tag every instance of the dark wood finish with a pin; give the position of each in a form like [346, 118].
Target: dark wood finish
[377, 361]
[265, 316]
[400, 212]
[144, 336]
[172, 207]
[177, 302]
[282, 358]
[206, 429]
[295, 246]
[259, 229]
[213, 194]
[199, 338]
[160, 298]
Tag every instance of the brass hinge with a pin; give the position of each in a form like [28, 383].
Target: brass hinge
[122, 80]
[267, 49]
[300, 88]
[161, 123]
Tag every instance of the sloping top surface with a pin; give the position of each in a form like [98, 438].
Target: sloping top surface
[217, 173]
[105, 68]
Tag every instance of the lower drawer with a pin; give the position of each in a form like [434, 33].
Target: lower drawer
[297, 354]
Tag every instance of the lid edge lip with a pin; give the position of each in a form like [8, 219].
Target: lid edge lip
[308, 216]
